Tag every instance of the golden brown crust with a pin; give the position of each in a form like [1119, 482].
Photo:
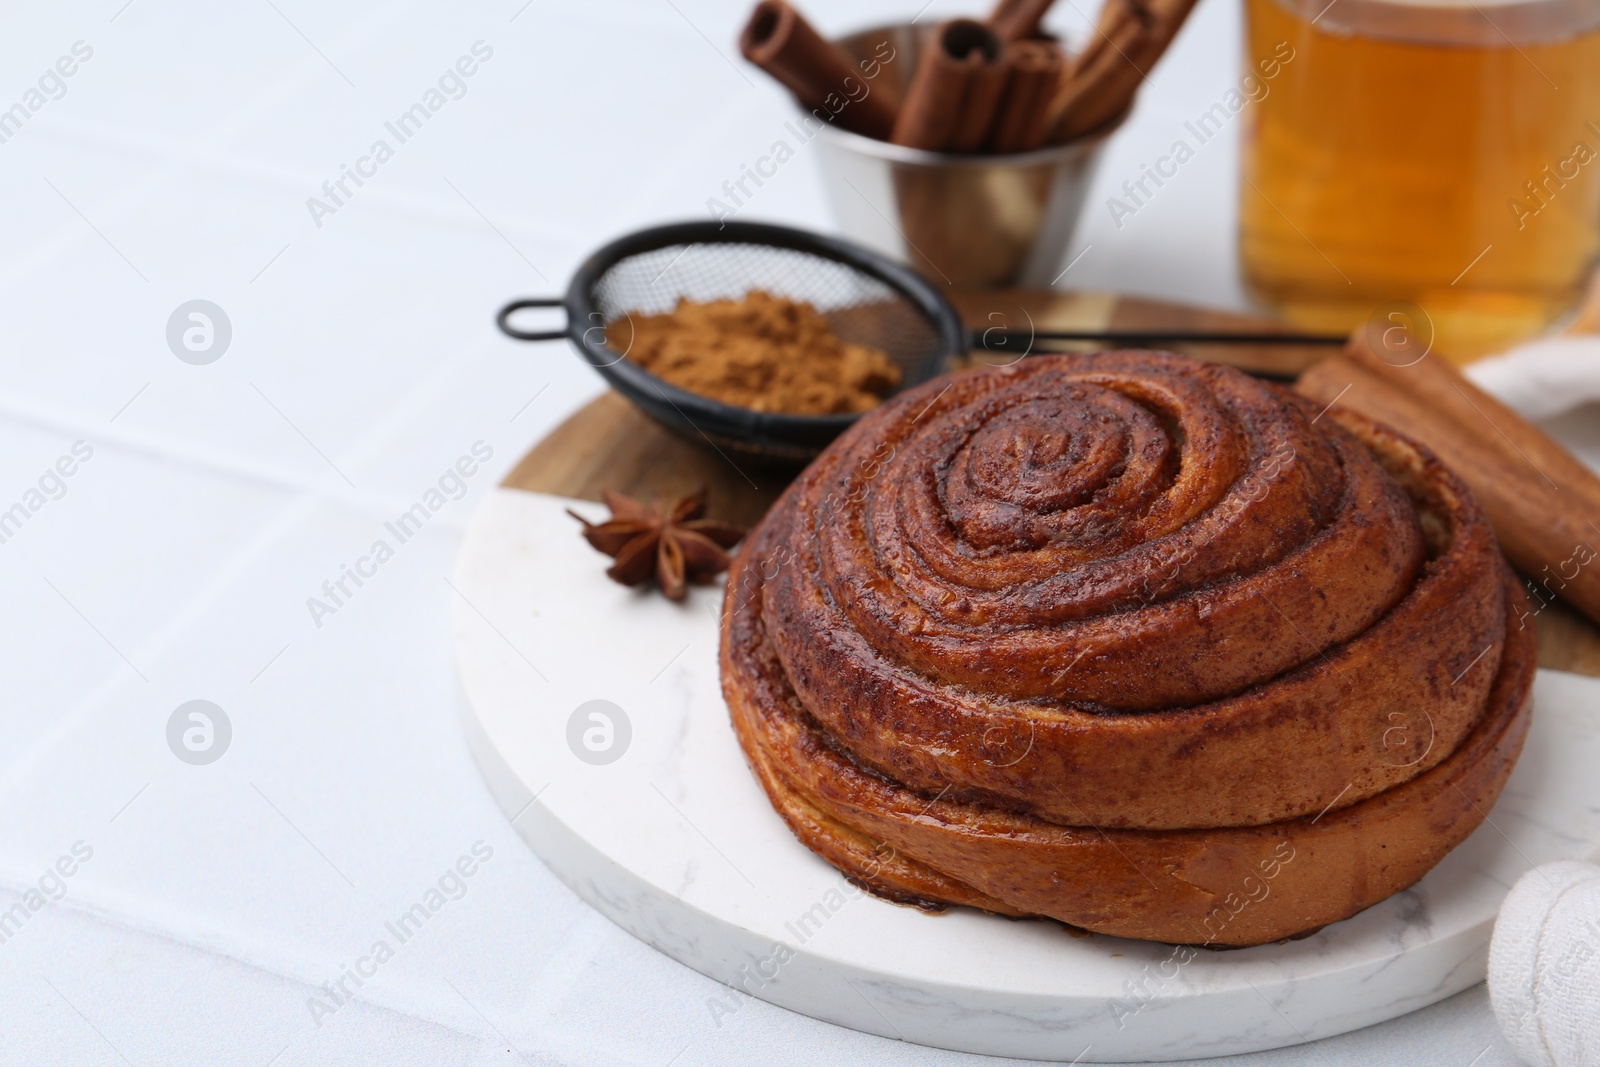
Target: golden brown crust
[897, 630]
[1220, 887]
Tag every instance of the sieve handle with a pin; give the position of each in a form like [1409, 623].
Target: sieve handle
[503, 320]
[999, 338]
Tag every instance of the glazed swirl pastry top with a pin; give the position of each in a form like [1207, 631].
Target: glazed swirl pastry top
[1128, 590]
[1118, 536]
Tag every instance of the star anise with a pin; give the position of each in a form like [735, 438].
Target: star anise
[675, 547]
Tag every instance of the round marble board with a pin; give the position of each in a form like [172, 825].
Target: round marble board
[650, 814]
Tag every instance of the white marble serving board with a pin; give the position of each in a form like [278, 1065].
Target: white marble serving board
[674, 841]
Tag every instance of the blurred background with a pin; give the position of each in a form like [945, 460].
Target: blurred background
[347, 359]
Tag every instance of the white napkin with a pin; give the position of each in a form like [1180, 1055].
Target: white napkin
[1544, 965]
[1543, 378]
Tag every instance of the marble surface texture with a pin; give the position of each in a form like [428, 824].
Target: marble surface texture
[673, 840]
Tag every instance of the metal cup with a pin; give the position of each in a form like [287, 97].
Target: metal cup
[968, 220]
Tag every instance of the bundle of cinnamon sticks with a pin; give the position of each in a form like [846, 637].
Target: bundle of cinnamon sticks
[1000, 85]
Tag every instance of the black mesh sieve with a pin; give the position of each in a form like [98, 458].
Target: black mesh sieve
[859, 308]
[866, 299]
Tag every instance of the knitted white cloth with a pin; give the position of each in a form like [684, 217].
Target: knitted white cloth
[1544, 966]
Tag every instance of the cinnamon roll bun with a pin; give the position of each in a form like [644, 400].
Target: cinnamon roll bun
[1132, 641]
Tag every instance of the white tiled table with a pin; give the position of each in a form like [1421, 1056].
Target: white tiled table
[177, 563]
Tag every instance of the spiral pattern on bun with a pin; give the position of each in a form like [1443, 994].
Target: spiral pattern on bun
[1126, 598]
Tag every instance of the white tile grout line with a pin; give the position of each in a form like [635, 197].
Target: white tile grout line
[150, 651]
[234, 126]
[400, 201]
[103, 694]
[117, 909]
[380, 434]
[306, 496]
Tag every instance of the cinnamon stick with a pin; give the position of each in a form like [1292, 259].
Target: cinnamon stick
[1033, 71]
[1131, 36]
[1016, 20]
[950, 105]
[1113, 15]
[1544, 504]
[823, 78]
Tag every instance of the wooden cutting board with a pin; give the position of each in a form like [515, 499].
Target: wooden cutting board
[608, 444]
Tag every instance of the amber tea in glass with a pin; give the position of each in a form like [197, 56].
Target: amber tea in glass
[1443, 153]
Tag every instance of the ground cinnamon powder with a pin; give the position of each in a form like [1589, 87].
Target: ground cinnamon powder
[760, 351]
